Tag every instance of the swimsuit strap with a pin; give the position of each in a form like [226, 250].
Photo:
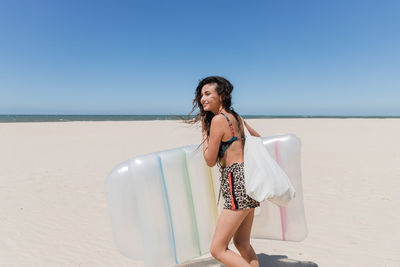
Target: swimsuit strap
[230, 126]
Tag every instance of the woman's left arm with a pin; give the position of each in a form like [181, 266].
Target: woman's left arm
[211, 145]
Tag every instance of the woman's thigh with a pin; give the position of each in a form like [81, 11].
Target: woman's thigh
[242, 235]
[228, 223]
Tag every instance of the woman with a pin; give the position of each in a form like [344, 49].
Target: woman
[223, 143]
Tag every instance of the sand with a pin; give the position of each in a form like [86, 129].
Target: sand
[54, 209]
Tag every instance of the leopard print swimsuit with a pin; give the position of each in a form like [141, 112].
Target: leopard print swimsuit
[233, 188]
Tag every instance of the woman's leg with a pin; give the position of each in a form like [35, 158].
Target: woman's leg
[241, 239]
[228, 223]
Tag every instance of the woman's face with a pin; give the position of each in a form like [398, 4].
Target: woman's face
[210, 100]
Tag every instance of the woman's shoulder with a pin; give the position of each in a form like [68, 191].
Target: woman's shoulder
[218, 119]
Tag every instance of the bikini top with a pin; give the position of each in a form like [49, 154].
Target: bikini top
[225, 144]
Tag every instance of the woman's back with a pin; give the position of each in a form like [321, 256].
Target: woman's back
[232, 150]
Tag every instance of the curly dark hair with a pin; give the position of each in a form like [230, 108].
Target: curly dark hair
[224, 88]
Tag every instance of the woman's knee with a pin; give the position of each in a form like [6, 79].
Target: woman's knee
[241, 245]
[216, 250]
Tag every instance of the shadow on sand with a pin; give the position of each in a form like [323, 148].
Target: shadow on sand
[263, 259]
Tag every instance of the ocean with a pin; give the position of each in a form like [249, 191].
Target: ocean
[64, 118]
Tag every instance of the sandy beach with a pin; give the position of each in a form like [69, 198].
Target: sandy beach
[54, 210]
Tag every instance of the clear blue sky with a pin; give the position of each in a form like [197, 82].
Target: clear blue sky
[293, 57]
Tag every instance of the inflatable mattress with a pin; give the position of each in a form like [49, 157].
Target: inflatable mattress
[163, 205]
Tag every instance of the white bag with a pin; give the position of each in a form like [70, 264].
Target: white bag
[264, 178]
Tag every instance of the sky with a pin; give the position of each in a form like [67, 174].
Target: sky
[294, 57]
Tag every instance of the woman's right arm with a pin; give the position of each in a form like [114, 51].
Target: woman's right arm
[251, 130]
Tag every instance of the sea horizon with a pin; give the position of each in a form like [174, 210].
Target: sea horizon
[9, 118]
